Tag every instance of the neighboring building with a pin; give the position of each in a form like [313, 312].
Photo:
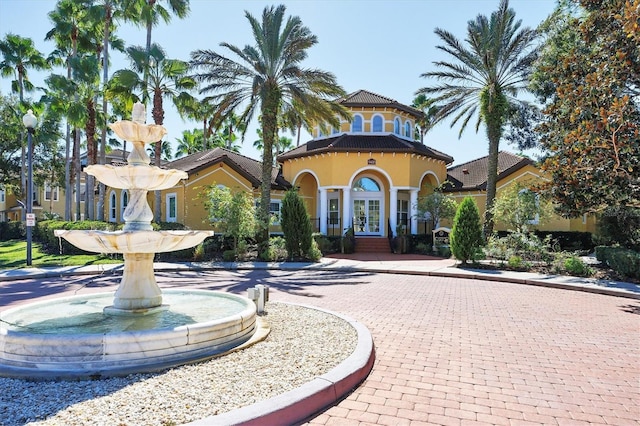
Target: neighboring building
[470, 179]
[367, 174]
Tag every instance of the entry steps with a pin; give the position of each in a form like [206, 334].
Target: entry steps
[372, 245]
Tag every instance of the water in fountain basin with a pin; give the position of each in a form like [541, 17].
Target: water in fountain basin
[83, 315]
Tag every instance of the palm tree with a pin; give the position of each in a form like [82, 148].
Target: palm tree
[165, 152]
[66, 18]
[151, 11]
[268, 78]
[189, 107]
[167, 78]
[190, 143]
[19, 55]
[429, 110]
[485, 78]
[107, 12]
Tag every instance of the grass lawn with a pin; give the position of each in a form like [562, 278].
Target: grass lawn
[13, 255]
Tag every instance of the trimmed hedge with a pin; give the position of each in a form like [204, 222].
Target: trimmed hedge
[12, 231]
[620, 259]
[43, 232]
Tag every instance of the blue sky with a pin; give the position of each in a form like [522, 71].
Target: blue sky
[378, 45]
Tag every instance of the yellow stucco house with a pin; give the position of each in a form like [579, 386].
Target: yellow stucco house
[470, 179]
[367, 174]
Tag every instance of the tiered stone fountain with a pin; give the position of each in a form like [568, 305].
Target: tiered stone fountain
[136, 332]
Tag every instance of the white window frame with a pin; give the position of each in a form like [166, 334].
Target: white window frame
[357, 118]
[169, 216]
[397, 126]
[113, 207]
[275, 215]
[408, 129]
[48, 190]
[2, 196]
[373, 122]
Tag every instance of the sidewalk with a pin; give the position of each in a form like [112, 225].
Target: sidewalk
[373, 263]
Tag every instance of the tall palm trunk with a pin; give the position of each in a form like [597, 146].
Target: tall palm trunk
[103, 134]
[90, 130]
[270, 106]
[492, 177]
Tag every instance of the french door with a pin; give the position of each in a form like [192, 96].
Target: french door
[366, 216]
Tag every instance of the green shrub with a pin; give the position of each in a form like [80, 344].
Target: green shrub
[422, 248]
[620, 225]
[466, 234]
[12, 231]
[625, 262]
[229, 255]
[198, 253]
[296, 225]
[525, 245]
[348, 241]
[575, 266]
[515, 262]
[622, 260]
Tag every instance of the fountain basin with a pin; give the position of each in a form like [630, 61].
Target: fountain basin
[138, 132]
[133, 241]
[150, 178]
[71, 337]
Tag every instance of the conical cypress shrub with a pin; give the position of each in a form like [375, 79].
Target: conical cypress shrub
[466, 235]
[296, 225]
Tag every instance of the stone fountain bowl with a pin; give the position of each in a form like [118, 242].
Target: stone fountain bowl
[132, 131]
[46, 345]
[133, 241]
[150, 178]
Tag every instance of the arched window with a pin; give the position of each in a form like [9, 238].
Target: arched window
[124, 202]
[396, 126]
[407, 129]
[112, 207]
[366, 184]
[356, 124]
[376, 124]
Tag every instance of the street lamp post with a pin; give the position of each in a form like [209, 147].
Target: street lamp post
[30, 121]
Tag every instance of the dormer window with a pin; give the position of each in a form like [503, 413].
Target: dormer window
[396, 126]
[407, 129]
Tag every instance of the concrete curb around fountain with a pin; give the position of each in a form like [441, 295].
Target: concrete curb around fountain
[305, 401]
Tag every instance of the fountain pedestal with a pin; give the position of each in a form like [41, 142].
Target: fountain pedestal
[138, 291]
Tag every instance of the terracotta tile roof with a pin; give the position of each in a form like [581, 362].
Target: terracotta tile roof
[473, 174]
[247, 167]
[363, 98]
[364, 142]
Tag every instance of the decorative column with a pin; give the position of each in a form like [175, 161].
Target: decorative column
[393, 209]
[413, 194]
[346, 208]
[323, 211]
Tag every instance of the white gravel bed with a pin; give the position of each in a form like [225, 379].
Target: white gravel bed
[304, 343]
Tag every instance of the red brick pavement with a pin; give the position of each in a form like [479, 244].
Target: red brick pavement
[453, 351]
[457, 351]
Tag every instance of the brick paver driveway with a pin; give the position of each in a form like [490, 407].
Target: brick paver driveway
[456, 351]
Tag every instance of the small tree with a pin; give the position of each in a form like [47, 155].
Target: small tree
[438, 205]
[296, 225]
[466, 235]
[518, 207]
[231, 213]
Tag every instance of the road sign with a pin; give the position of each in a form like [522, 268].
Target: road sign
[31, 219]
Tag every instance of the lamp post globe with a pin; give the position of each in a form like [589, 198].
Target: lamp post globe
[30, 121]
